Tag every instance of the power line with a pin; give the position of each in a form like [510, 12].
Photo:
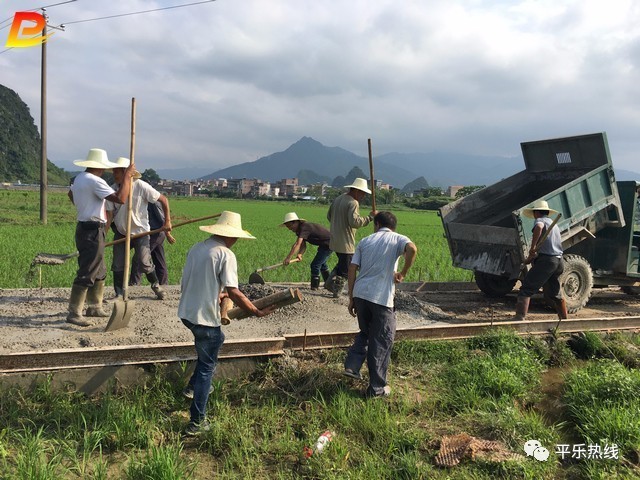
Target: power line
[35, 9]
[138, 13]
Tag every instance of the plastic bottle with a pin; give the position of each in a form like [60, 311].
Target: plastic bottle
[323, 440]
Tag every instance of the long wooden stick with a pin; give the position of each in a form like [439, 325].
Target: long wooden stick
[373, 182]
[127, 243]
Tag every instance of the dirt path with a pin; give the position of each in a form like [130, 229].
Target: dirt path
[34, 319]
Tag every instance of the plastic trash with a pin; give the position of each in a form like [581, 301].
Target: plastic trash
[321, 443]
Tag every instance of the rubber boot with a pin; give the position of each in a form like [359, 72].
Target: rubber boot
[325, 274]
[522, 307]
[315, 282]
[155, 285]
[94, 300]
[328, 283]
[338, 285]
[561, 308]
[76, 304]
[118, 278]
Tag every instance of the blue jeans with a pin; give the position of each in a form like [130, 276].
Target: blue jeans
[319, 262]
[208, 341]
[373, 343]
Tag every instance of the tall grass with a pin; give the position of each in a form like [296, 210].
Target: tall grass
[22, 238]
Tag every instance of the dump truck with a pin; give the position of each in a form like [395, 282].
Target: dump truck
[488, 233]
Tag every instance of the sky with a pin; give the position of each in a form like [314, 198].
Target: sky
[230, 81]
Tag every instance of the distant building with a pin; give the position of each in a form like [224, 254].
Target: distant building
[452, 190]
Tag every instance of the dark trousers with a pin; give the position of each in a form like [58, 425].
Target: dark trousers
[545, 272]
[90, 240]
[208, 341]
[156, 244]
[373, 343]
[342, 268]
[319, 262]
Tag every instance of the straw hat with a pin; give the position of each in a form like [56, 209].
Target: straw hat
[96, 158]
[291, 217]
[229, 225]
[124, 162]
[359, 184]
[538, 205]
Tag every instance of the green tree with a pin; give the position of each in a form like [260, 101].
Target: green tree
[468, 190]
[151, 176]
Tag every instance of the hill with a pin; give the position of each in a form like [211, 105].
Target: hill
[20, 144]
[309, 154]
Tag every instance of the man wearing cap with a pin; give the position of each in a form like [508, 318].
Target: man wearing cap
[547, 263]
[88, 193]
[143, 194]
[315, 234]
[345, 219]
[209, 270]
[372, 279]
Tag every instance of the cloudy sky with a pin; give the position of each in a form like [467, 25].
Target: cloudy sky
[229, 81]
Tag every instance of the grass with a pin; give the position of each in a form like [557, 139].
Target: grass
[487, 387]
[23, 237]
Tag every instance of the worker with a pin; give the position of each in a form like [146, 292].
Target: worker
[88, 193]
[315, 234]
[345, 219]
[209, 271]
[547, 263]
[142, 195]
[371, 286]
[155, 211]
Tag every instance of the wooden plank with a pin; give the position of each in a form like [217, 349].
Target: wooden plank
[260, 347]
[131, 355]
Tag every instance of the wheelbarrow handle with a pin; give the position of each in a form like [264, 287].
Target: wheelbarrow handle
[271, 267]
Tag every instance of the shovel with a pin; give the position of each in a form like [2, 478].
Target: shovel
[122, 309]
[255, 276]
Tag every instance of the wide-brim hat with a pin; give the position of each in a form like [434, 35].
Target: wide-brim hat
[359, 184]
[538, 205]
[291, 217]
[96, 158]
[124, 162]
[229, 224]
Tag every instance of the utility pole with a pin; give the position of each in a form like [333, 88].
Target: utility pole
[43, 125]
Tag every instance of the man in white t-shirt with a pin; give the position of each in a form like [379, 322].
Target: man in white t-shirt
[209, 270]
[372, 278]
[88, 193]
[143, 194]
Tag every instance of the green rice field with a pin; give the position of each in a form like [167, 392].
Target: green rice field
[22, 237]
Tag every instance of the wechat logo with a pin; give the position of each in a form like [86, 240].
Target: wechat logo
[535, 449]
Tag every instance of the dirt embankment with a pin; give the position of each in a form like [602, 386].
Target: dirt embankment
[34, 319]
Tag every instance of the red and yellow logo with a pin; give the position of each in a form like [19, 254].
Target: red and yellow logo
[23, 36]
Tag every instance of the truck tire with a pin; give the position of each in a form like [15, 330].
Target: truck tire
[494, 285]
[576, 282]
[630, 290]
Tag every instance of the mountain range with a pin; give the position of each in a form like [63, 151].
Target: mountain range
[310, 159]
[312, 162]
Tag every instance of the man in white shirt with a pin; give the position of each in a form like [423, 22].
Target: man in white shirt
[210, 269]
[143, 195]
[372, 278]
[88, 193]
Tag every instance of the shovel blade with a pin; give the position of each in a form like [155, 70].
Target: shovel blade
[120, 315]
[256, 278]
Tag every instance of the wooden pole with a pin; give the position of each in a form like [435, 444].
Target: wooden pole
[280, 299]
[127, 243]
[373, 182]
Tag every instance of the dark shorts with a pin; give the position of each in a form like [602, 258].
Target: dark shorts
[545, 272]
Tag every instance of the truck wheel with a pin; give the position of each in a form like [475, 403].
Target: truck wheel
[576, 282]
[631, 290]
[494, 285]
